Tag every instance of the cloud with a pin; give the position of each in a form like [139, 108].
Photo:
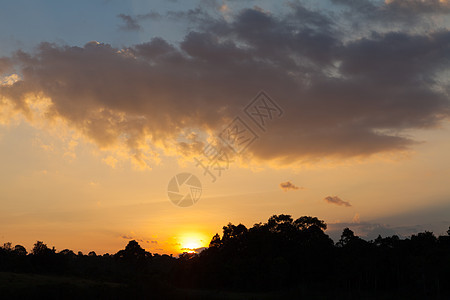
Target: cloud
[342, 96]
[286, 186]
[132, 23]
[403, 224]
[196, 250]
[368, 230]
[129, 237]
[5, 65]
[110, 161]
[338, 201]
[394, 12]
[398, 6]
[371, 230]
[419, 6]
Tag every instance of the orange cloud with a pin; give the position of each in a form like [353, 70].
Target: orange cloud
[287, 186]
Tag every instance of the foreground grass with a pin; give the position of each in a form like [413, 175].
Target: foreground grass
[35, 286]
[38, 286]
[10, 280]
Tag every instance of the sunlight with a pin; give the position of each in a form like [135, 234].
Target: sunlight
[191, 241]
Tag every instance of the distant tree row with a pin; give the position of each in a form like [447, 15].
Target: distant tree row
[283, 254]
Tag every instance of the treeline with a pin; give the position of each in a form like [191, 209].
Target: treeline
[283, 255]
[131, 272]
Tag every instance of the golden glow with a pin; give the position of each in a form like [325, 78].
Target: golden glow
[189, 242]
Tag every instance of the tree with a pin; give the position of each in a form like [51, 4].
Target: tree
[280, 223]
[40, 249]
[424, 239]
[232, 231]
[388, 242]
[19, 250]
[7, 247]
[346, 237]
[185, 256]
[67, 252]
[215, 241]
[306, 222]
[133, 251]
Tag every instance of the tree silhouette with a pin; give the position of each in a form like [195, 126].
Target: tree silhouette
[20, 250]
[231, 231]
[133, 251]
[7, 247]
[215, 241]
[280, 223]
[41, 249]
[347, 237]
[307, 222]
[67, 252]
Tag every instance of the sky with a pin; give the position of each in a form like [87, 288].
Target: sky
[334, 108]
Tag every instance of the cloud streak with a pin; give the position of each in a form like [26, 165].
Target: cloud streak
[338, 201]
[289, 186]
[129, 237]
[132, 23]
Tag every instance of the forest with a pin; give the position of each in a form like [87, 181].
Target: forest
[281, 258]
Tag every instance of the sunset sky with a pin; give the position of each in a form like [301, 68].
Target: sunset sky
[103, 102]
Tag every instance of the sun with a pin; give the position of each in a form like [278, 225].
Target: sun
[192, 241]
[190, 246]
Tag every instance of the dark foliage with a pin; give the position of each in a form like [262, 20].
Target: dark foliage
[283, 258]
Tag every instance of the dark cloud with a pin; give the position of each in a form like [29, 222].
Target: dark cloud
[342, 97]
[371, 230]
[336, 200]
[129, 237]
[390, 12]
[418, 6]
[196, 250]
[286, 186]
[358, 5]
[132, 23]
[434, 218]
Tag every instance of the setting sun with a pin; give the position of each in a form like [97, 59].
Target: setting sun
[192, 242]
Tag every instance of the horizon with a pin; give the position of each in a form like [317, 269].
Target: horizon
[194, 248]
